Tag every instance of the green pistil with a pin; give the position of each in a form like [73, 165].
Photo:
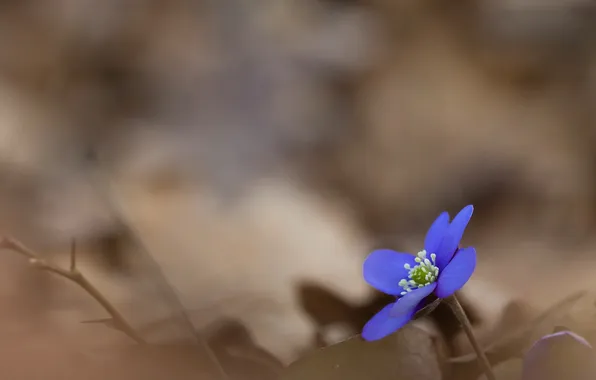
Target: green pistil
[424, 273]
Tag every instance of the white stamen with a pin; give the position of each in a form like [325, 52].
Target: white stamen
[424, 273]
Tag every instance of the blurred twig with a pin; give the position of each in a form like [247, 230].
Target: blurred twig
[75, 276]
[106, 184]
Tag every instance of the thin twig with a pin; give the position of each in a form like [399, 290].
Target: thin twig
[105, 182]
[459, 312]
[75, 276]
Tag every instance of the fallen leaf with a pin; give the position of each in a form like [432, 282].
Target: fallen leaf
[409, 354]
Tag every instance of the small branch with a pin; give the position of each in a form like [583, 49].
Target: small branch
[75, 276]
[459, 312]
[110, 190]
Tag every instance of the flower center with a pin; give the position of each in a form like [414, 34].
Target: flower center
[424, 273]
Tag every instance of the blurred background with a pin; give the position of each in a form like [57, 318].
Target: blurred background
[225, 166]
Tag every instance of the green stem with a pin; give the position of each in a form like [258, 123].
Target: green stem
[460, 314]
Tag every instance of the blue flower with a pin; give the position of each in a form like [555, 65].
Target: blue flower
[560, 356]
[441, 268]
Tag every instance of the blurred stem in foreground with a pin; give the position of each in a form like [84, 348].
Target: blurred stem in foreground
[77, 277]
[459, 312]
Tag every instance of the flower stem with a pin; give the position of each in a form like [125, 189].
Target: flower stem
[460, 314]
